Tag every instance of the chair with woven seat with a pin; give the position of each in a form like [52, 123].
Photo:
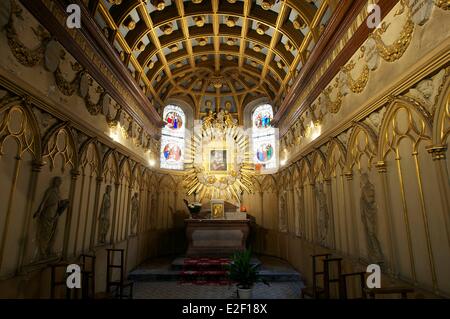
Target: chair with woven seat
[315, 291]
[372, 293]
[120, 284]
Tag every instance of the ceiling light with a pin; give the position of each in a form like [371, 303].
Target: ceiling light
[151, 64]
[229, 57]
[261, 29]
[231, 41]
[267, 4]
[140, 46]
[159, 4]
[115, 2]
[231, 21]
[197, 1]
[167, 29]
[299, 23]
[288, 46]
[281, 64]
[129, 23]
[257, 48]
[199, 21]
[231, 1]
[174, 48]
[204, 57]
[254, 63]
[202, 42]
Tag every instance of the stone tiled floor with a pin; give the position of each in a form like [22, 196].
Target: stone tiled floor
[174, 290]
[283, 288]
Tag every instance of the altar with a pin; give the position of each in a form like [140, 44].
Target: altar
[216, 237]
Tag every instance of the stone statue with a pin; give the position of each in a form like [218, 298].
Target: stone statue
[103, 217]
[282, 213]
[47, 214]
[323, 216]
[134, 212]
[369, 218]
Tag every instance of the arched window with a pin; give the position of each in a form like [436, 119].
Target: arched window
[172, 138]
[263, 137]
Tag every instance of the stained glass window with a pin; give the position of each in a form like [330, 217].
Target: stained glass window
[172, 138]
[264, 141]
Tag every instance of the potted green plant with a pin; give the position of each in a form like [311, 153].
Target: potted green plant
[244, 273]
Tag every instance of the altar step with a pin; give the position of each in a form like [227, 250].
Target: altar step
[208, 271]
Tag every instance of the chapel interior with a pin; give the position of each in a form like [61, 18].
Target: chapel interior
[142, 139]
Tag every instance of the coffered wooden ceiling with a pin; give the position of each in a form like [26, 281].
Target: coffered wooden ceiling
[213, 53]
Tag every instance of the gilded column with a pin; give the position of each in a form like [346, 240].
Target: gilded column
[438, 153]
[327, 182]
[392, 265]
[73, 184]
[354, 237]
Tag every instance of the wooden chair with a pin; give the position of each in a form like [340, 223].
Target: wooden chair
[315, 291]
[88, 276]
[343, 284]
[327, 279]
[58, 278]
[402, 291]
[120, 284]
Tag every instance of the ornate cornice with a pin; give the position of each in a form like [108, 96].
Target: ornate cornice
[88, 46]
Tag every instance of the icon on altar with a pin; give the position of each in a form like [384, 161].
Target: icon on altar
[218, 160]
[217, 209]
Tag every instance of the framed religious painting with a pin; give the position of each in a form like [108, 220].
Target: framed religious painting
[217, 209]
[218, 161]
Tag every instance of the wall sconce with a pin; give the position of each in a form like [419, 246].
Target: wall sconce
[159, 4]
[316, 129]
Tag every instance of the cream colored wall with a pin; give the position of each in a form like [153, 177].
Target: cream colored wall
[394, 127]
[47, 129]
[406, 159]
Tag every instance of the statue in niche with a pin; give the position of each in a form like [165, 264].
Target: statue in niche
[134, 212]
[369, 218]
[282, 213]
[47, 214]
[323, 216]
[103, 217]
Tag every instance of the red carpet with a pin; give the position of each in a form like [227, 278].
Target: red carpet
[205, 271]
